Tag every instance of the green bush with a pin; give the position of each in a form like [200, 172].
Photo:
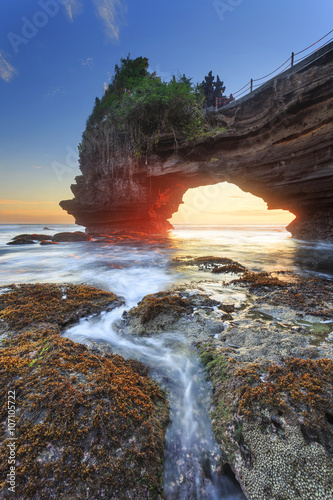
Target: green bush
[137, 106]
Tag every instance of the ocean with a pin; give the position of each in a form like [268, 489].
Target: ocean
[134, 268]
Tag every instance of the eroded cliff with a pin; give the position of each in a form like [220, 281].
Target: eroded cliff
[277, 143]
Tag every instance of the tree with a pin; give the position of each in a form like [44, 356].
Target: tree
[129, 74]
[219, 88]
[137, 106]
[212, 89]
[208, 89]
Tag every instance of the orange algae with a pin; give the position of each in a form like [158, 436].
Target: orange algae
[258, 280]
[163, 302]
[298, 390]
[304, 385]
[25, 304]
[88, 425]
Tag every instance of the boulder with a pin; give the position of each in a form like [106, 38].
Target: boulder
[69, 237]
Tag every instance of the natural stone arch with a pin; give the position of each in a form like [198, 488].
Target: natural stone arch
[276, 143]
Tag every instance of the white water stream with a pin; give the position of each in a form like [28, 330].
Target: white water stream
[191, 452]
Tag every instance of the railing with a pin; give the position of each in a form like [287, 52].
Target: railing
[289, 63]
[222, 101]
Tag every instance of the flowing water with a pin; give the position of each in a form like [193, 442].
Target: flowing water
[132, 270]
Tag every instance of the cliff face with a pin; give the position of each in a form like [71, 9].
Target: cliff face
[277, 144]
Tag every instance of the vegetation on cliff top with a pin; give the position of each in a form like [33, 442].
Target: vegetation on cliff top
[138, 106]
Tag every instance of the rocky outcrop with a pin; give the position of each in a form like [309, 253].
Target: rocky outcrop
[30, 239]
[88, 423]
[270, 363]
[276, 143]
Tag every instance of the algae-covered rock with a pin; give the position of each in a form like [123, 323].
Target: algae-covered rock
[274, 422]
[213, 264]
[87, 424]
[27, 304]
[192, 314]
[272, 375]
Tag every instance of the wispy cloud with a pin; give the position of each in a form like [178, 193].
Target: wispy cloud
[111, 12]
[36, 166]
[73, 8]
[89, 62]
[56, 90]
[6, 70]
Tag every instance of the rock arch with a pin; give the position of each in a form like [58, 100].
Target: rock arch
[276, 143]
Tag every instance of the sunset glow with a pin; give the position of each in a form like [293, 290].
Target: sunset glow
[225, 203]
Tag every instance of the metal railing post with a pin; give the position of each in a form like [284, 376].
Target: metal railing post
[251, 84]
[292, 59]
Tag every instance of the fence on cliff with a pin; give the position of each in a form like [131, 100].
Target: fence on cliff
[289, 63]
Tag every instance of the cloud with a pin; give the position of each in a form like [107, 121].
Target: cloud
[36, 166]
[89, 62]
[73, 8]
[56, 90]
[6, 70]
[111, 13]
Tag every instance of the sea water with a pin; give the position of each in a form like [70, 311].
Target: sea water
[136, 268]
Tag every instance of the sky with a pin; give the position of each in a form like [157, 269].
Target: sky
[57, 55]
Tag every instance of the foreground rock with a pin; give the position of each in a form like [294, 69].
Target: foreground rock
[268, 348]
[88, 424]
[275, 143]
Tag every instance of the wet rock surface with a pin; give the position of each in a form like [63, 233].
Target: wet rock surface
[89, 424]
[76, 236]
[44, 239]
[267, 343]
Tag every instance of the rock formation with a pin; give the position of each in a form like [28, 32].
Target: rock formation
[276, 143]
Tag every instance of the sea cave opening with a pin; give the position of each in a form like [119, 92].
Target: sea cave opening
[226, 204]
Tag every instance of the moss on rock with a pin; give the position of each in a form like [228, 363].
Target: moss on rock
[259, 280]
[274, 422]
[210, 263]
[26, 304]
[152, 306]
[88, 424]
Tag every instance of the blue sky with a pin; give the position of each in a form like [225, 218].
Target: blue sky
[56, 55]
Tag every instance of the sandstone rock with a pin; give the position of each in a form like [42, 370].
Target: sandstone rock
[277, 144]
